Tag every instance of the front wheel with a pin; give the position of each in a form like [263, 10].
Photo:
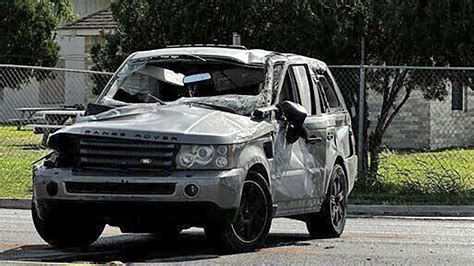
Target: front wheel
[66, 232]
[331, 219]
[249, 229]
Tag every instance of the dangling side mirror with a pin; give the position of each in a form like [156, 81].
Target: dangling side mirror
[295, 115]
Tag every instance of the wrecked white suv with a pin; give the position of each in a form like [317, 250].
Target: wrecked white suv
[219, 137]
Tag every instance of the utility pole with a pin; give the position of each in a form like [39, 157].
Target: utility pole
[361, 115]
[235, 38]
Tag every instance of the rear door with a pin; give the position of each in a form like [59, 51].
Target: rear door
[339, 131]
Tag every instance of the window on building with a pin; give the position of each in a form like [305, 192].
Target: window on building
[457, 97]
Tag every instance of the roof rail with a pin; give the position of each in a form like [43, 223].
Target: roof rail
[209, 45]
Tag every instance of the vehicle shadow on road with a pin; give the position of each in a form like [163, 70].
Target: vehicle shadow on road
[139, 248]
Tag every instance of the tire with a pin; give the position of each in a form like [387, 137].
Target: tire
[249, 229]
[331, 219]
[66, 232]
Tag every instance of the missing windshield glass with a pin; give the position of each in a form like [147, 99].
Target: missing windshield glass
[168, 81]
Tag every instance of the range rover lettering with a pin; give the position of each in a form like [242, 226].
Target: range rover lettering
[224, 138]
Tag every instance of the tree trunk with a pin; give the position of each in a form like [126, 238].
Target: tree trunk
[388, 112]
[375, 140]
[374, 166]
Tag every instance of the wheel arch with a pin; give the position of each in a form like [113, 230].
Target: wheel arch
[340, 161]
[260, 168]
[337, 161]
[253, 158]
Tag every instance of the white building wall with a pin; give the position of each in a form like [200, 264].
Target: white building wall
[72, 53]
[423, 124]
[410, 129]
[452, 128]
[25, 96]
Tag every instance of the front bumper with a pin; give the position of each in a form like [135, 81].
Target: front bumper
[218, 188]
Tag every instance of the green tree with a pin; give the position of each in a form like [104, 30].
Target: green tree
[147, 24]
[312, 28]
[415, 33]
[27, 29]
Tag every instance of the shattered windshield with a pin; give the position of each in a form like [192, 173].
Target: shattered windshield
[217, 84]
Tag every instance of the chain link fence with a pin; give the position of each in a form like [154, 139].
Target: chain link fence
[414, 125]
[415, 128]
[33, 102]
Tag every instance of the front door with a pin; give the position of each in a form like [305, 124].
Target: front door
[299, 167]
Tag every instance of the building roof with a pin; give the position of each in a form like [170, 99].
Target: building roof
[102, 19]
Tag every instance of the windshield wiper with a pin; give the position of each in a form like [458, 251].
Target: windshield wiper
[213, 106]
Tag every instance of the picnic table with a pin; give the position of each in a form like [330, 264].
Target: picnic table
[59, 117]
[29, 115]
[30, 111]
[54, 120]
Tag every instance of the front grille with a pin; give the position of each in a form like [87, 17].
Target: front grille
[130, 156]
[121, 188]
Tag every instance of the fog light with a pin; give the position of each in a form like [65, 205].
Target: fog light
[191, 190]
[221, 162]
[52, 188]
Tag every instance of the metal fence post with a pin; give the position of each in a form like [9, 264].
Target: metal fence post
[360, 129]
[361, 114]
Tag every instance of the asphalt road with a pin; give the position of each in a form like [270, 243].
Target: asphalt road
[365, 240]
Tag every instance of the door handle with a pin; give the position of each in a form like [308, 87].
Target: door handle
[313, 140]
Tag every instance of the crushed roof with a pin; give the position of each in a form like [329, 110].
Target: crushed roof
[246, 56]
[102, 19]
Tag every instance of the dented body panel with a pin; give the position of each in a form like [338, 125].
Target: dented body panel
[153, 122]
[239, 141]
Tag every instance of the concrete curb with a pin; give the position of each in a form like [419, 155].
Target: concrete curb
[413, 210]
[15, 203]
[357, 210]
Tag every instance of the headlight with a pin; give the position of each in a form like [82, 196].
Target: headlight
[204, 157]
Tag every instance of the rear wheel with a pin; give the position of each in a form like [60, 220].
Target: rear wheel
[249, 229]
[331, 219]
[65, 232]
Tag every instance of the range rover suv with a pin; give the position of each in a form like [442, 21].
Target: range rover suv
[224, 138]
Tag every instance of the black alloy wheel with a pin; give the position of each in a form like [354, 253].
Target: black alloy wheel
[252, 216]
[249, 228]
[331, 219]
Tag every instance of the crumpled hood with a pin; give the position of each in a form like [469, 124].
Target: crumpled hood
[181, 123]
